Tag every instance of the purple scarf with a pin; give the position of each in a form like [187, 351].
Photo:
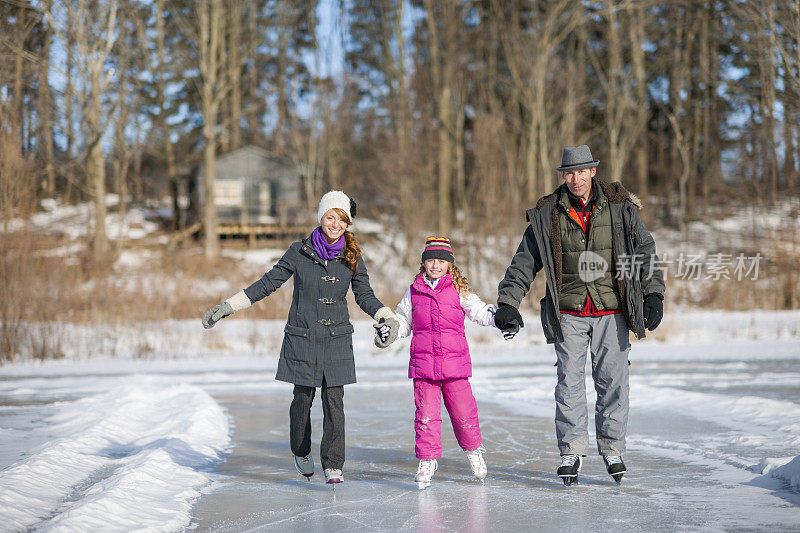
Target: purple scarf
[324, 250]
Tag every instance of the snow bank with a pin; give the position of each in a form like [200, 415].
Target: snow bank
[786, 469]
[133, 457]
[754, 417]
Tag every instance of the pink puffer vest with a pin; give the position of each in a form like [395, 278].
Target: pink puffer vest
[438, 346]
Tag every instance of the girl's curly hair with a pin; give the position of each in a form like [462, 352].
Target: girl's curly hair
[352, 251]
[459, 280]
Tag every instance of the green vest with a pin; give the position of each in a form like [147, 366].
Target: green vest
[587, 261]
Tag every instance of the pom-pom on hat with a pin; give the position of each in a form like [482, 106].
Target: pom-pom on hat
[333, 199]
[438, 248]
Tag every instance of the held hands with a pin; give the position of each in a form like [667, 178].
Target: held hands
[386, 327]
[653, 310]
[216, 313]
[382, 333]
[508, 319]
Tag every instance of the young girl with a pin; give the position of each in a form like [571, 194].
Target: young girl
[433, 311]
[317, 348]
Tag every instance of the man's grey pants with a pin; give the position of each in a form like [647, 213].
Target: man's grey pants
[331, 448]
[607, 338]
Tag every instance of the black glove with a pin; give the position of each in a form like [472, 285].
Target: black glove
[508, 319]
[653, 310]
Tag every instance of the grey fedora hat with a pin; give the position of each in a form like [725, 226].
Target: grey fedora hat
[576, 158]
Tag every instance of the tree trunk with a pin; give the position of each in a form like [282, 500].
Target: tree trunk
[93, 51]
[69, 127]
[714, 147]
[19, 74]
[705, 114]
[402, 122]
[177, 219]
[122, 152]
[279, 141]
[767, 62]
[615, 95]
[675, 83]
[537, 134]
[442, 73]
[789, 171]
[96, 169]
[458, 145]
[45, 110]
[576, 88]
[642, 110]
[235, 71]
[209, 38]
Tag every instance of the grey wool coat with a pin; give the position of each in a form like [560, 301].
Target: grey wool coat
[633, 250]
[318, 337]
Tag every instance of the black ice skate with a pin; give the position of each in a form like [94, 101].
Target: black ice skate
[570, 466]
[615, 466]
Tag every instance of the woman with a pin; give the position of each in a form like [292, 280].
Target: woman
[317, 348]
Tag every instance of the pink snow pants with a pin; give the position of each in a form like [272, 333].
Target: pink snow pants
[460, 405]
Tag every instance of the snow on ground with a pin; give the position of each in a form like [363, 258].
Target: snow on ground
[131, 456]
[73, 221]
[131, 436]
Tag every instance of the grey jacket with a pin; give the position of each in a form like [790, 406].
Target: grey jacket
[634, 250]
[318, 337]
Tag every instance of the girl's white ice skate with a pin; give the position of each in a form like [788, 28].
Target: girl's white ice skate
[425, 472]
[476, 462]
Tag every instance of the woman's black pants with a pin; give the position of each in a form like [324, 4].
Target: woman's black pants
[332, 445]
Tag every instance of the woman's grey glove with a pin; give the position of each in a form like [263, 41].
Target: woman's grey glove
[386, 327]
[216, 313]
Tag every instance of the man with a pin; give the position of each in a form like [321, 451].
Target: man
[603, 279]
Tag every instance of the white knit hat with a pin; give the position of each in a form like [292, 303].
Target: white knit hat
[334, 199]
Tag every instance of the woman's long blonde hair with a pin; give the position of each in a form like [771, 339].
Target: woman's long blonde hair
[352, 251]
[458, 278]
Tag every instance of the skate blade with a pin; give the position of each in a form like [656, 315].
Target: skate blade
[617, 478]
[421, 485]
[569, 480]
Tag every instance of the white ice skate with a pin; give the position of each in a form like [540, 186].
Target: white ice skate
[333, 476]
[425, 472]
[304, 465]
[476, 462]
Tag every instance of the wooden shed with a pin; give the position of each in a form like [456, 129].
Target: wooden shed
[255, 187]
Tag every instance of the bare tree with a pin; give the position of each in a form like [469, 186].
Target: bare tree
[443, 22]
[95, 32]
[623, 124]
[529, 44]
[214, 87]
[46, 111]
[642, 111]
[161, 118]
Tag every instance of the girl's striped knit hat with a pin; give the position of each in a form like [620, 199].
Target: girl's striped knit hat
[438, 248]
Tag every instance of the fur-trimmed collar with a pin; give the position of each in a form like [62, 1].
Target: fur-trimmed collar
[614, 191]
